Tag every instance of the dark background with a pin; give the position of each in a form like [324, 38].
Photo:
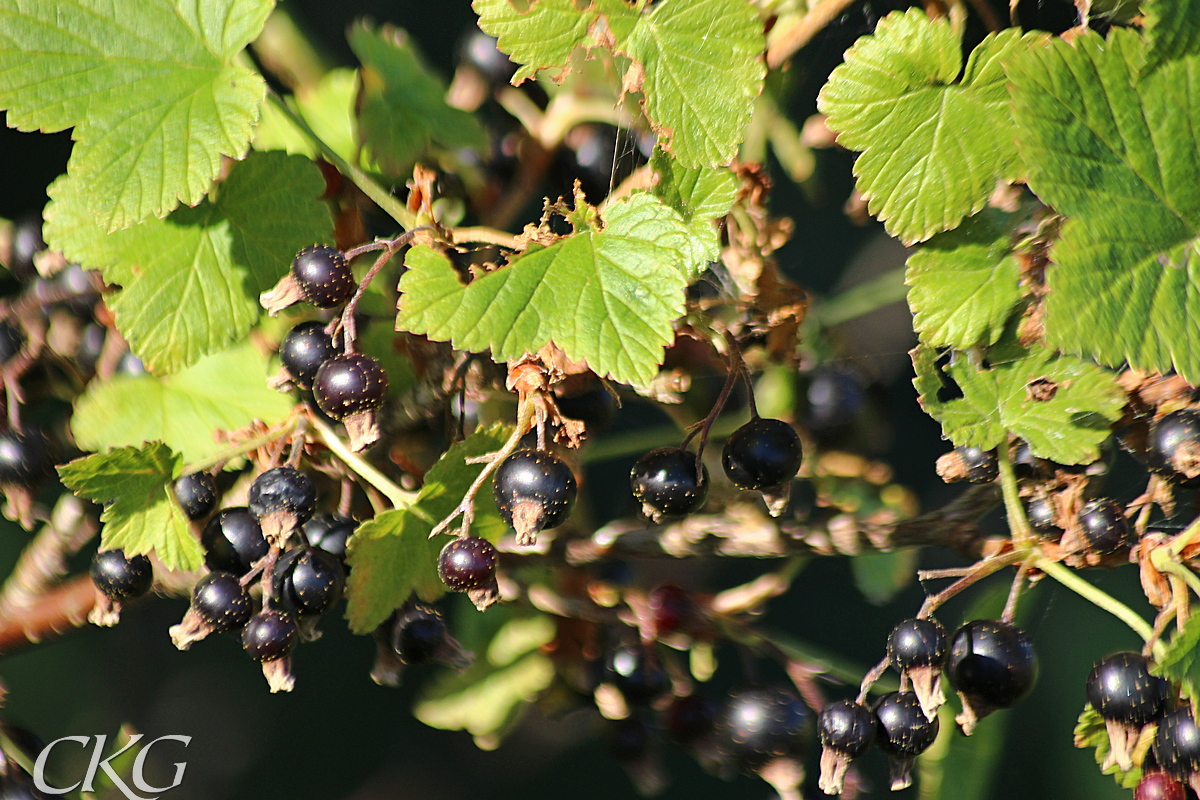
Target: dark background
[340, 736]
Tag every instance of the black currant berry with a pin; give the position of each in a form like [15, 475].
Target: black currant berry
[1158, 785]
[269, 635]
[479, 51]
[992, 665]
[845, 730]
[671, 609]
[418, 637]
[24, 457]
[982, 465]
[222, 601]
[639, 678]
[121, 578]
[330, 532]
[903, 732]
[1040, 512]
[467, 563]
[1105, 527]
[595, 408]
[196, 494]
[233, 541]
[762, 454]
[307, 580]
[1173, 446]
[348, 384]
[323, 276]
[305, 348]
[759, 725]
[1121, 688]
[11, 341]
[534, 490]
[26, 243]
[669, 481]
[283, 499]
[1177, 744]
[917, 648]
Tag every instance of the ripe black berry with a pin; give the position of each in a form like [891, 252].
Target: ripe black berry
[759, 725]
[992, 665]
[762, 454]
[1173, 446]
[671, 609]
[196, 494]
[1121, 688]
[121, 578]
[1041, 514]
[669, 481]
[330, 532]
[24, 457]
[1158, 785]
[323, 276]
[307, 580]
[845, 730]
[982, 466]
[418, 636]
[269, 635]
[639, 678]
[478, 50]
[534, 490]
[1177, 744]
[283, 492]
[222, 601]
[348, 384]
[467, 563]
[903, 732]
[1105, 527]
[916, 643]
[305, 348]
[233, 541]
[594, 408]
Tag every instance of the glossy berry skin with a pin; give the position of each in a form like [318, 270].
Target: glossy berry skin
[1122, 689]
[323, 276]
[981, 465]
[222, 602]
[330, 532]
[269, 635]
[762, 454]
[196, 494]
[479, 51]
[283, 489]
[233, 541]
[1158, 785]
[1177, 743]
[121, 578]
[759, 725]
[467, 563]
[671, 609]
[307, 580]
[539, 477]
[846, 727]
[916, 643]
[1105, 527]
[1041, 514]
[418, 636]
[349, 384]
[639, 678]
[305, 348]
[666, 480]
[902, 729]
[595, 408]
[24, 457]
[1173, 445]
[992, 661]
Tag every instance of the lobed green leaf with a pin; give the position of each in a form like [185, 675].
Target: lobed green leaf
[541, 37]
[701, 195]
[1173, 30]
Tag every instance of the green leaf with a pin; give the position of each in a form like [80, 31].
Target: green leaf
[1091, 732]
[608, 297]
[401, 104]
[702, 70]
[225, 391]
[964, 284]
[509, 673]
[328, 108]
[1118, 155]
[962, 767]
[191, 281]
[1068, 427]
[1173, 28]
[933, 144]
[151, 88]
[392, 556]
[701, 195]
[541, 37]
[1181, 662]
[881, 576]
[135, 485]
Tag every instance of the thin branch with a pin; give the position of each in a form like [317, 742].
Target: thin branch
[56, 611]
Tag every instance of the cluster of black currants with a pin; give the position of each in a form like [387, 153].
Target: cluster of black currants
[990, 664]
[275, 548]
[763, 455]
[1129, 698]
[347, 386]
